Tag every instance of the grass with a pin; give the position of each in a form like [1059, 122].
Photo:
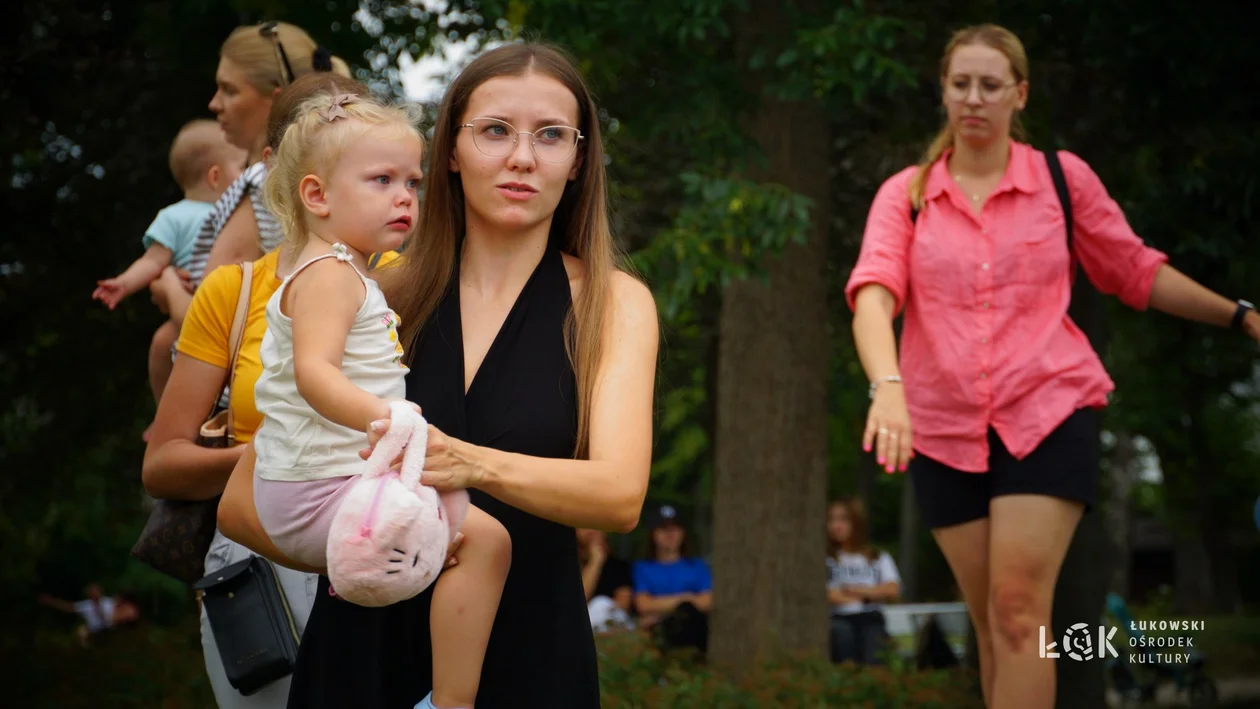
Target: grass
[156, 666]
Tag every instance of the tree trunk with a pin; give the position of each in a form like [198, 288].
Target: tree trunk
[908, 548]
[1119, 512]
[1080, 597]
[1219, 565]
[1192, 590]
[771, 436]
[1081, 592]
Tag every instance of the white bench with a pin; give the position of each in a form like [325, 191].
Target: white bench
[905, 620]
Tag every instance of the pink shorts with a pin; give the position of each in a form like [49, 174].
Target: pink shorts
[298, 514]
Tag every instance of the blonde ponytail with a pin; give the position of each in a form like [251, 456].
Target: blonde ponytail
[943, 141]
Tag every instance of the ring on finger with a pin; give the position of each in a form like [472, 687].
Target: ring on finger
[883, 431]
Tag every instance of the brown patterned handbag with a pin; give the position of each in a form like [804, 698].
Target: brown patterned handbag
[178, 534]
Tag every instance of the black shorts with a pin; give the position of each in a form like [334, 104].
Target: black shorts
[1065, 465]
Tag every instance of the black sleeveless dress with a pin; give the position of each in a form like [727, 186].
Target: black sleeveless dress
[542, 650]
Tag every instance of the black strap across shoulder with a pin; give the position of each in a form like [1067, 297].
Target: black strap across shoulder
[1060, 188]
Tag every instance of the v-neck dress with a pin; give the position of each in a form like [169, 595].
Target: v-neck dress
[522, 399]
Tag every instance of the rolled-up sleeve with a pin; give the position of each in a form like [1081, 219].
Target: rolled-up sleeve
[1116, 259]
[884, 256]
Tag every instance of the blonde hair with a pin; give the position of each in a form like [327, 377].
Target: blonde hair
[312, 144]
[993, 36]
[258, 58]
[580, 226]
[199, 145]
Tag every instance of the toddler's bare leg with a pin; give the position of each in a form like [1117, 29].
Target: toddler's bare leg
[465, 600]
[160, 363]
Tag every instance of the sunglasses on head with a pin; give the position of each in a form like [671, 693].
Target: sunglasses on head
[270, 31]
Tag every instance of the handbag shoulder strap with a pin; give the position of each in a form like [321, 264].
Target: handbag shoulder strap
[238, 329]
[1061, 188]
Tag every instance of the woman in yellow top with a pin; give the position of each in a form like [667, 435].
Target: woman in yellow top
[176, 468]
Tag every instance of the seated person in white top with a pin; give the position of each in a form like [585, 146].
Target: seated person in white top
[860, 580]
[607, 582]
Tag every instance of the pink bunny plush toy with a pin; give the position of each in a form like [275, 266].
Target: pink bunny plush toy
[389, 537]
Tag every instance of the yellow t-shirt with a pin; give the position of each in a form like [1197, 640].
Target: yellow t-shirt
[207, 331]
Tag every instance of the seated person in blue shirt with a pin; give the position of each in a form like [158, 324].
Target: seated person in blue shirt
[672, 591]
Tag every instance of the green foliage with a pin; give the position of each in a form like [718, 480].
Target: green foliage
[1154, 103]
[846, 58]
[724, 230]
[636, 676]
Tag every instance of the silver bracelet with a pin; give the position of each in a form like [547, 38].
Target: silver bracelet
[875, 384]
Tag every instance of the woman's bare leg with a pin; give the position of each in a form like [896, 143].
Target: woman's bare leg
[966, 548]
[1029, 538]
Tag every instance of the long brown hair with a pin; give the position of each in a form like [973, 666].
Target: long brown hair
[998, 38]
[859, 541]
[580, 226]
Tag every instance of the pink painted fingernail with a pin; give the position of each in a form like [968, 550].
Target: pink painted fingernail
[880, 460]
[866, 449]
[378, 426]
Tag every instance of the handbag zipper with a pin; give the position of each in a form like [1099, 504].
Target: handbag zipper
[275, 579]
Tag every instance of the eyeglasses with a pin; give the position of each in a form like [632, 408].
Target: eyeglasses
[269, 31]
[991, 90]
[497, 138]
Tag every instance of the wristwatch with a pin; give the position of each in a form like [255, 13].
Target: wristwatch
[1241, 314]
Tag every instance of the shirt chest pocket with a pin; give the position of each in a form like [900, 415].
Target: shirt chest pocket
[1041, 251]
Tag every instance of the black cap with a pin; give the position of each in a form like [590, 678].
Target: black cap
[663, 515]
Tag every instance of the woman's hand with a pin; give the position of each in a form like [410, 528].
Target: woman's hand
[888, 428]
[449, 463]
[451, 560]
[159, 289]
[1251, 325]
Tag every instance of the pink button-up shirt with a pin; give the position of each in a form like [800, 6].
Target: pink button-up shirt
[986, 339]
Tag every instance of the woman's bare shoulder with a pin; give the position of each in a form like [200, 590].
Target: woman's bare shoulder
[624, 289]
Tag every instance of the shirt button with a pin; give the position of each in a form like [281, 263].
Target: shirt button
[984, 266]
[985, 305]
[984, 375]
[984, 340]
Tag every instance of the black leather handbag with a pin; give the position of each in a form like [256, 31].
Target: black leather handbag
[251, 622]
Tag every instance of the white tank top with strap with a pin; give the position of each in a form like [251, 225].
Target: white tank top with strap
[294, 442]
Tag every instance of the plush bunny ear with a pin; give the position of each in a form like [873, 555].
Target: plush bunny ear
[413, 457]
[401, 425]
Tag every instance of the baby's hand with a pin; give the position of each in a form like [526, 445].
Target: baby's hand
[376, 430]
[110, 292]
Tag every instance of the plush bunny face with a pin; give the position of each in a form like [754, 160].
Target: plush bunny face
[389, 537]
[397, 553]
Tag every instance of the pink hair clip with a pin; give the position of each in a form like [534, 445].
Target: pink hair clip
[336, 111]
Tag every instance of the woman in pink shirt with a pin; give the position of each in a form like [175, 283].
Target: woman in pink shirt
[992, 405]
